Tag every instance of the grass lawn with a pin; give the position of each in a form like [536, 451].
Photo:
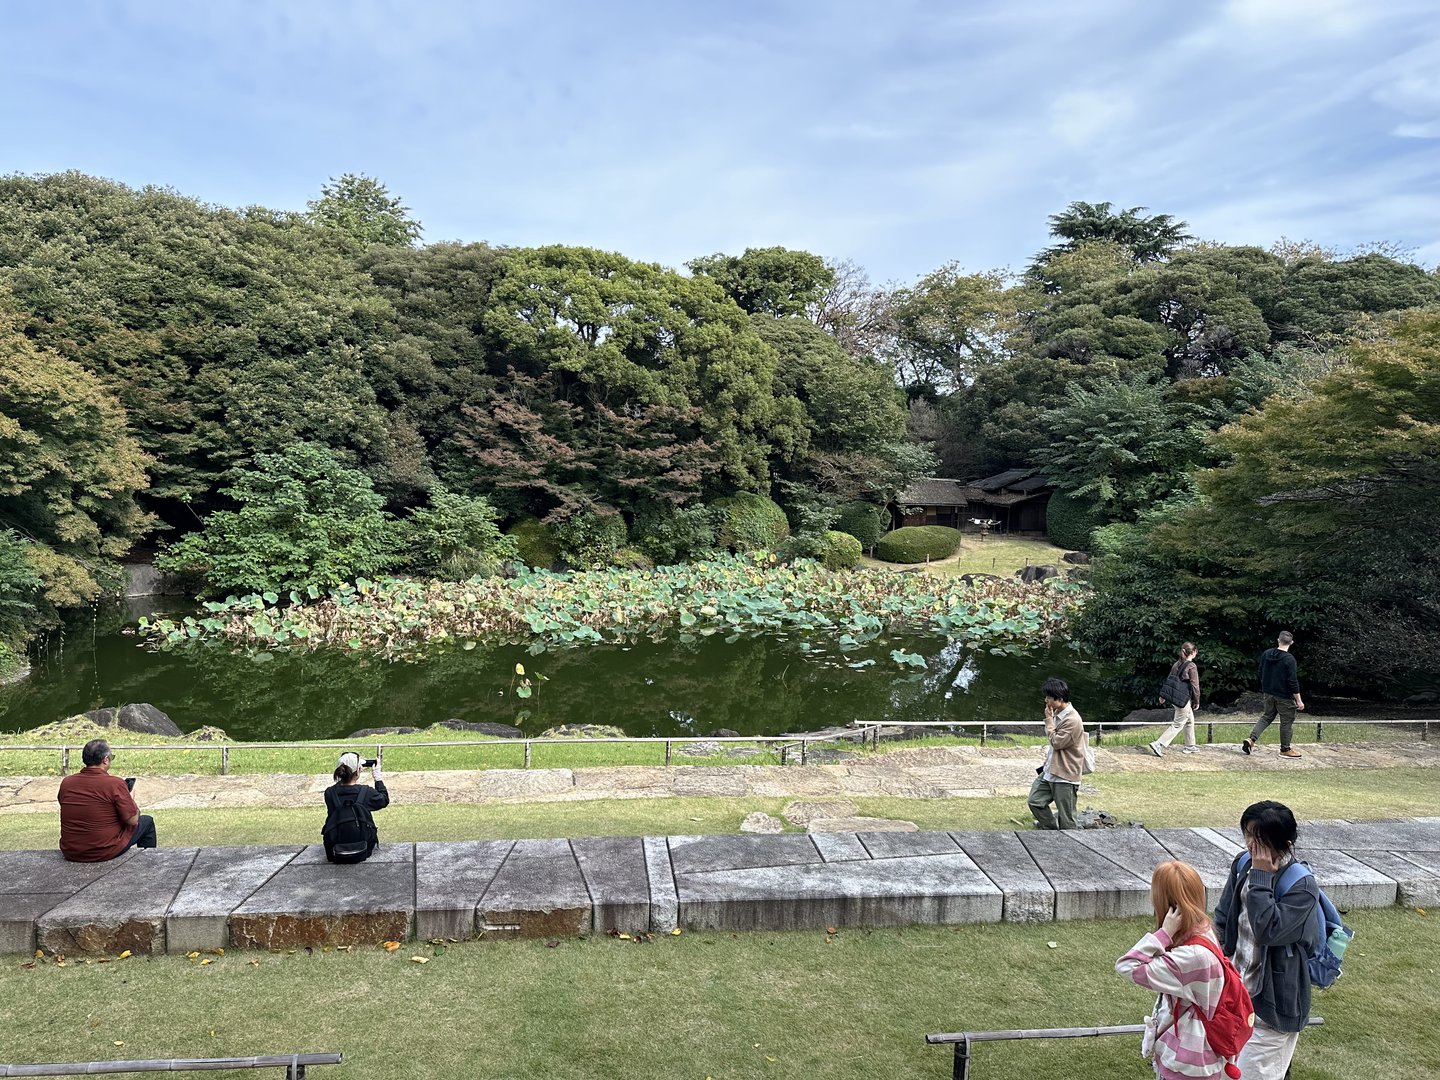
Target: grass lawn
[1158, 799]
[999, 555]
[724, 1006]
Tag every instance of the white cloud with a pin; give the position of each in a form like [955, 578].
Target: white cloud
[1082, 118]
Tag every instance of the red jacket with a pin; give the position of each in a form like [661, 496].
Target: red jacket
[94, 810]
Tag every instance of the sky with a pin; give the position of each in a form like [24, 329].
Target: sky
[902, 135]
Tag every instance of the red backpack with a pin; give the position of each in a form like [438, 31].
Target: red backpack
[1229, 1028]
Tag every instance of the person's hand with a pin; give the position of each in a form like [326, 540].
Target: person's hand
[375, 771]
[1049, 713]
[1299, 704]
[1262, 855]
[1172, 922]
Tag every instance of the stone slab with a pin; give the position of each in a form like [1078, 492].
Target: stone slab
[1134, 849]
[323, 903]
[219, 881]
[1227, 840]
[450, 879]
[314, 855]
[1029, 896]
[859, 825]
[664, 905]
[1416, 874]
[1087, 886]
[1348, 882]
[1371, 835]
[693, 854]
[537, 892]
[931, 889]
[839, 847]
[125, 909]
[1209, 859]
[709, 780]
[48, 872]
[616, 877]
[899, 845]
[18, 913]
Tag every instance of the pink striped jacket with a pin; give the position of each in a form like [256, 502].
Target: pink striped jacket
[1183, 976]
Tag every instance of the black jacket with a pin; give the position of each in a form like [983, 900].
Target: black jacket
[1284, 930]
[1277, 673]
[366, 799]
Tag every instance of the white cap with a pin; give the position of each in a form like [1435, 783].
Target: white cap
[349, 760]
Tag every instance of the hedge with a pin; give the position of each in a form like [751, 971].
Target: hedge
[589, 539]
[839, 550]
[1070, 521]
[918, 543]
[864, 521]
[535, 542]
[750, 522]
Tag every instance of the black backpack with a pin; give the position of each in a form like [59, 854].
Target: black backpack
[349, 828]
[1175, 690]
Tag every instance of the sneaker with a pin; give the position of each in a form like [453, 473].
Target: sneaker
[1291, 752]
[1189, 750]
[1247, 745]
[1157, 749]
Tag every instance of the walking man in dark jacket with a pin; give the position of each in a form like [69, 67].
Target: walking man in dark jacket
[1281, 687]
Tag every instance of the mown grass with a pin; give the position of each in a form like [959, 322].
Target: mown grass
[725, 1006]
[1160, 800]
[998, 555]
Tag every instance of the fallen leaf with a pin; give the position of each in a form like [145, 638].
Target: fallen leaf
[207, 960]
[192, 955]
[623, 937]
[254, 963]
[40, 953]
[676, 932]
[125, 955]
[119, 1042]
[59, 963]
[29, 965]
[419, 959]
[217, 951]
[553, 943]
[769, 1058]
[1052, 944]
[390, 946]
[829, 929]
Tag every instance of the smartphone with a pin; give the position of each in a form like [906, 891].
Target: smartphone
[368, 763]
[129, 783]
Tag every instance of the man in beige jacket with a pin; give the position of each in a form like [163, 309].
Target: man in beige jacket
[1059, 777]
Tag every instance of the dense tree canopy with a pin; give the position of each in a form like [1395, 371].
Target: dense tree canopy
[361, 208]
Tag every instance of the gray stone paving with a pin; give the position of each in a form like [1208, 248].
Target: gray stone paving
[182, 900]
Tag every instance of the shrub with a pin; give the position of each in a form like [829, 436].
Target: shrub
[590, 538]
[535, 543]
[1069, 521]
[750, 522]
[628, 558]
[455, 537]
[839, 550]
[918, 543]
[864, 521]
[670, 535]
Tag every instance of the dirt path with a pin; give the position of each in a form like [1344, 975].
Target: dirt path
[922, 773]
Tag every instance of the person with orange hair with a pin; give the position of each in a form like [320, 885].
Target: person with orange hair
[1188, 976]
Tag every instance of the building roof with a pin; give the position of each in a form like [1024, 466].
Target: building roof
[1002, 480]
[933, 491]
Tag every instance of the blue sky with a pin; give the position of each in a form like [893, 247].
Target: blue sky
[902, 134]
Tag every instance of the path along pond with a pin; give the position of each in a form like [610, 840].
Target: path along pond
[754, 684]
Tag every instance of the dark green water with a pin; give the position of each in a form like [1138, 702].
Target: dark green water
[754, 685]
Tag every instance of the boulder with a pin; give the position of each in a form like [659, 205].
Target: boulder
[1031, 574]
[208, 733]
[1250, 701]
[1079, 558]
[484, 727]
[724, 733]
[371, 732]
[1149, 716]
[975, 579]
[761, 823]
[802, 812]
[582, 731]
[1090, 818]
[1425, 697]
[144, 718]
[1078, 573]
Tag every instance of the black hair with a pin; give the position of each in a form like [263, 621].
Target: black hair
[1270, 822]
[346, 775]
[1285, 638]
[96, 751]
[1057, 689]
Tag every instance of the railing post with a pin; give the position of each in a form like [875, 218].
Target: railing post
[1425, 730]
[380, 754]
[1319, 728]
[65, 761]
[224, 760]
[962, 1059]
[1099, 734]
[527, 753]
[802, 751]
[984, 733]
[1210, 733]
[667, 751]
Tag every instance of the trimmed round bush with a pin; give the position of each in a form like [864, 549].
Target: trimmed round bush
[750, 522]
[591, 538]
[535, 543]
[1070, 521]
[864, 521]
[629, 558]
[839, 550]
[918, 543]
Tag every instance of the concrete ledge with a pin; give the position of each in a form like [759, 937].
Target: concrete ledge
[289, 897]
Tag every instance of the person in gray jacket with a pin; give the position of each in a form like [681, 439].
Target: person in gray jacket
[1269, 938]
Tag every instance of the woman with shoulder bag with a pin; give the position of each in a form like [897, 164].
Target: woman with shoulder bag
[1186, 677]
[349, 831]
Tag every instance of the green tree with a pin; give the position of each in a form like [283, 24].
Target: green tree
[454, 537]
[949, 326]
[360, 207]
[769, 281]
[1147, 238]
[303, 520]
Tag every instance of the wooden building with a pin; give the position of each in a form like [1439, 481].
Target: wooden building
[932, 501]
[1016, 499]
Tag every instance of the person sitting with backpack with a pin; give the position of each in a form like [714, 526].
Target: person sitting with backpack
[1271, 932]
[1202, 1016]
[349, 831]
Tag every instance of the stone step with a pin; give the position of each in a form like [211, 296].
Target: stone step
[182, 900]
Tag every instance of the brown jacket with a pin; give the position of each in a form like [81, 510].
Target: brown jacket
[95, 809]
[1187, 672]
[1067, 746]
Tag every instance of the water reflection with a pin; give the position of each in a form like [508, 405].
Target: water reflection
[753, 685]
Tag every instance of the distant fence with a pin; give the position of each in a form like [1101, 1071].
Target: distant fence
[293, 1064]
[788, 746]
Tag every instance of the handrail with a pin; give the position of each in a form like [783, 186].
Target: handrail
[293, 1064]
[962, 1040]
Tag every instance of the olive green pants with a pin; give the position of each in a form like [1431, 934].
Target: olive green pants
[1062, 794]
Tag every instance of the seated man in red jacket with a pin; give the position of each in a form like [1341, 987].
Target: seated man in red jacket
[98, 817]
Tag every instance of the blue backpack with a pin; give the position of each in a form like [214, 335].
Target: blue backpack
[1332, 935]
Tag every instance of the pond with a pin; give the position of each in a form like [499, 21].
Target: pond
[756, 685]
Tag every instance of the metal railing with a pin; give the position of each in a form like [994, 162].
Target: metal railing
[872, 728]
[293, 1064]
[963, 1040]
[784, 744]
